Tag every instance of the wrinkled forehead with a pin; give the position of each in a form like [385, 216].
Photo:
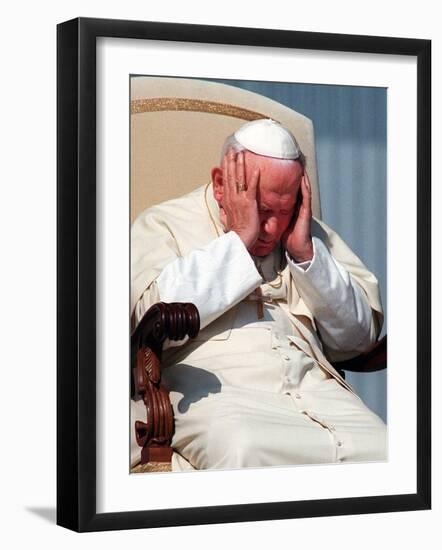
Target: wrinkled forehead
[271, 199]
[276, 176]
[270, 165]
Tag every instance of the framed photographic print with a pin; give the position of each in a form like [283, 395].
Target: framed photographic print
[243, 215]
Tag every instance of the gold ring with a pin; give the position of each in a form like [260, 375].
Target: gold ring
[240, 186]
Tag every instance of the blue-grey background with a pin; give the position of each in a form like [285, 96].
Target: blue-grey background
[351, 148]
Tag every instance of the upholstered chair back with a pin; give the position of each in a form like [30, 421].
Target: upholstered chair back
[178, 127]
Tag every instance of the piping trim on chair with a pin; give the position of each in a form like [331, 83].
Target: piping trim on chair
[196, 105]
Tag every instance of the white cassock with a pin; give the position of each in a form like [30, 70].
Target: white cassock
[249, 392]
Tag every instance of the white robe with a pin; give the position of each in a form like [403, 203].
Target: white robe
[253, 394]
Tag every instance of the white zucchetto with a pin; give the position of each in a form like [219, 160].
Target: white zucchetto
[268, 138]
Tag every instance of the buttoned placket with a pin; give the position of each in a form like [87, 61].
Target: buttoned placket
[300, 398]
[282, 349]
[338, 439]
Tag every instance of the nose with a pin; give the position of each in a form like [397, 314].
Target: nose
[270, 227]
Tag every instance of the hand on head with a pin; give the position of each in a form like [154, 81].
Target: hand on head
[297, 239]
[239, 208]
[257, 196]
[257, 189]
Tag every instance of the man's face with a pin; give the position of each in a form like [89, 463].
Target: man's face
[279, 184]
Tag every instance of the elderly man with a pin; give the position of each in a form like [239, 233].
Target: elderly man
[279, 296]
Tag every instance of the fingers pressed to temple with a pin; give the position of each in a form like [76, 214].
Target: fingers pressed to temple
[226, 184]
[306, 195]
[253, 184]
[232, 175]
[240, 170]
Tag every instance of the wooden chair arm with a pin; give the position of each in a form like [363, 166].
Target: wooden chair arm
[370, 361]
[174, 321]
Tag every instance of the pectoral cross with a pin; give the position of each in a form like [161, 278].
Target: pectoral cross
[258, 297]
[259, 303]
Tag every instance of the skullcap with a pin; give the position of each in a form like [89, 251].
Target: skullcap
[267, 137]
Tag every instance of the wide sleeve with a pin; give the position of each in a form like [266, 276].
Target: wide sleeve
[214, 277]
[342, 313]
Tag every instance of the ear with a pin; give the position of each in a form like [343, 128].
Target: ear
[217, 181]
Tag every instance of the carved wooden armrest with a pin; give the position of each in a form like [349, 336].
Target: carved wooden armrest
[370, 361]
[174, 321]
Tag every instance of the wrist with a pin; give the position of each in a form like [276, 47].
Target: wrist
[247, 238]
[304, 255]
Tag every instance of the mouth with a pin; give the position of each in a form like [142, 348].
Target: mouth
[265, 243]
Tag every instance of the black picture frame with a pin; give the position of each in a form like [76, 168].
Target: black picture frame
[76, 273]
